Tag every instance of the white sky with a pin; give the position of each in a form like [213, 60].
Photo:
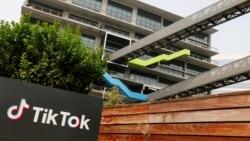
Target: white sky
[232, 39]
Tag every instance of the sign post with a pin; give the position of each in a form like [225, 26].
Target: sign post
[31, 112]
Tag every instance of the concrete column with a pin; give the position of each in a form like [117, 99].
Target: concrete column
[98, 41]
[132, 35]
[104, 6]
[209, 46]
[127, 73]
[134, 15]
[65, 14]
[185, 69]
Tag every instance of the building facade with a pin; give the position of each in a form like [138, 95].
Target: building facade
[114, 24]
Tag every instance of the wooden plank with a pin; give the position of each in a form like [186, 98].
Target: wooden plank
[125, 119]
[136, 137]
[122, 137]
[232, 100]
[225, 115]
[125, 129]
[126, 109]
[209, 129]
[195, 138]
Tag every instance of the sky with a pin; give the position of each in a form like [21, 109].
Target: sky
[231, 39]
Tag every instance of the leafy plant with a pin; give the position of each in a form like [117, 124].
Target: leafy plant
[48, 54]
[113, 97]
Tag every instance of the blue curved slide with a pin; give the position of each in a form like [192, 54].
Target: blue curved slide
[125, 91]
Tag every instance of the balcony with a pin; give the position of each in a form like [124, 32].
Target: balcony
[82, 20]
[45, 9]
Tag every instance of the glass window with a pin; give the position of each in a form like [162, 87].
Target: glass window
[165, 83]
[91, 4]
[88, 40]
[119, 11]
[167, 22]
[114, 43]
[174, 64]
[200, 37]
[116, 71]
[200, 57]
[139, 36]
[173, 67]
[148, 20]
[117, 31]
[195, 70]
[171, 71]
[143, 77]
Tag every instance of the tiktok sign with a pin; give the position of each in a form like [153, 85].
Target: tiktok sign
[31, 112]
[48, 116]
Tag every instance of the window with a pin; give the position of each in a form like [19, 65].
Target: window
[88, 40]
[116, 71]
[165, 83]
[91, 4]
[173, 67]
[119, 11]
[139, 36]
[143, 77]
[117, 31]
[195, 70]
[200, 57]
[200, 37]
[114, 43]
[171, 71]
[167, 22]
[174, 64]
[148, 20]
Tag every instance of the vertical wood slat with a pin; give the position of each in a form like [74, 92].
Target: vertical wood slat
[224, 117]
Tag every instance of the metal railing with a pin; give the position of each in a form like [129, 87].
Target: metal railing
[82, 20]
[45, 9]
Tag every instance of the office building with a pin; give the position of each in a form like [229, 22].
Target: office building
[114, 24]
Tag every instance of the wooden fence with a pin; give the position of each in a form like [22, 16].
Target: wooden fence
[224, 117]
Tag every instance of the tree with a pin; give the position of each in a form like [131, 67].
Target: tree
[113, 97]
[48, 54]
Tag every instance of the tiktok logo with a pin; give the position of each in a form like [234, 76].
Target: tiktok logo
[14, 112]
[48, 116]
